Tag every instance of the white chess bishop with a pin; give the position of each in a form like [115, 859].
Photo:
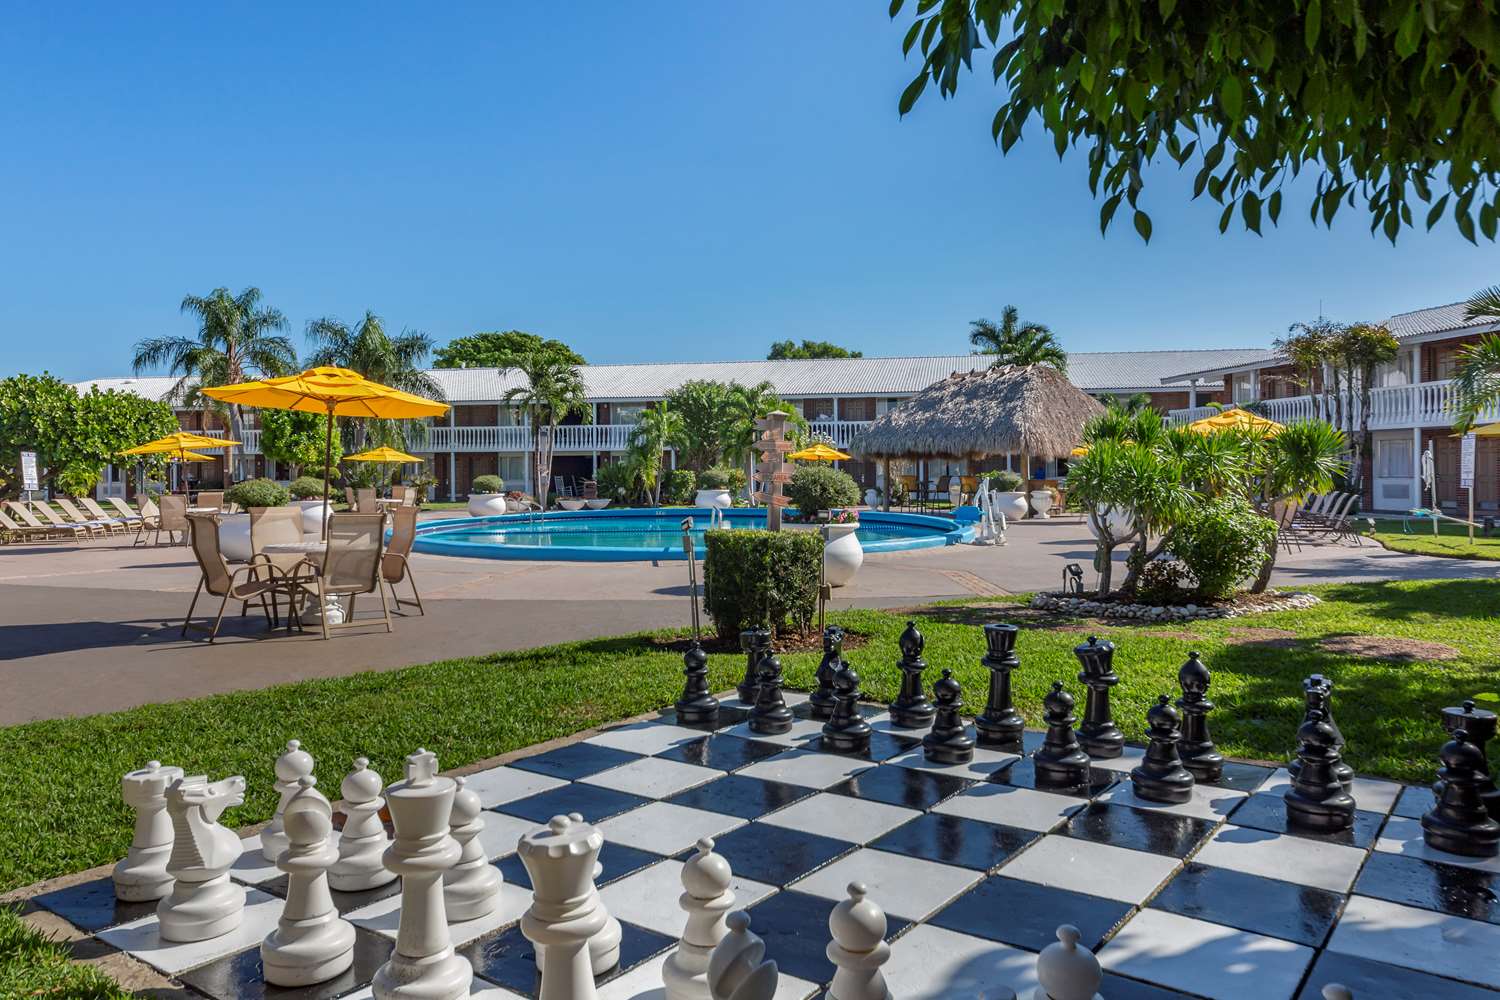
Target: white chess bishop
[471, 888]
[291, 766]
[1066, 970]
[203, 902]
[858, 948]
[707, 899]
[738, 969]
[142, 874]
[362, 845]
[311, 942]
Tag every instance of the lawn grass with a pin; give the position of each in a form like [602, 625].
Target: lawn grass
[34, 965]
[59, 779]
[1452, 540]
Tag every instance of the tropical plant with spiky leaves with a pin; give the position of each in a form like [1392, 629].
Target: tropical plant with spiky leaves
[1015, 342]
[656, 429]
[1476, 384]
[745, 405]
[396, 361]
[553, 392]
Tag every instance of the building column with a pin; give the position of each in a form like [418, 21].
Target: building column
[1192, 394]
[452, 476]
[1416, 466]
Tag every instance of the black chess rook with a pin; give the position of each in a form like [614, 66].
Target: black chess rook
[1459, 823]
[1000, 726]
[1479, 724]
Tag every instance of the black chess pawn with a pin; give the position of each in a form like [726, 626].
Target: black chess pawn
[822, 700]
[756, 643]
[1000, 726]
[1099, 735]
[1317, 800]
[911, 709]
[1060, 762]
[696, 706]
[1197, 750]
[847, 731]
[948, 742]
[1459, 822]
[1480, 725]
[1318, 692]
[1161, 776]
[770, 716]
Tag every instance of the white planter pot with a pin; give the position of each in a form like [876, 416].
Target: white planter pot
[570, 503]
[713, 498]
[486, 504]
[234, 537]
[872, 498]
[1011, 503]
[842, 553]
[1116, 519]
[314, 513]
[955, 491]
[1041, 502]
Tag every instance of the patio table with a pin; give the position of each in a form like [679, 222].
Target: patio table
[333, 609]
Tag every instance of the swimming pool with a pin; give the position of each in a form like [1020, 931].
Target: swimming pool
[626, 535]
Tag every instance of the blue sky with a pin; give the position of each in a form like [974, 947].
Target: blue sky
[645, 181]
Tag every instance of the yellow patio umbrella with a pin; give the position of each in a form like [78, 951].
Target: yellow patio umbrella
[180, 442]
[383, 455]
[190, 456]
[1230, 419]
[334, 392]
[1079, 452]
[819, 452]
[1488, 430]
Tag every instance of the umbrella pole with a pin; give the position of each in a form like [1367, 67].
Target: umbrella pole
[327, 457]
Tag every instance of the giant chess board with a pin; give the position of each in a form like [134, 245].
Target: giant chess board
[974, 866]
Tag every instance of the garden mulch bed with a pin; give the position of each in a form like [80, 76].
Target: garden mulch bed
[1379, 647]
[792, 642]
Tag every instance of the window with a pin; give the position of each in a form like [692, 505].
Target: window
[626, 413]
[1241, 384]
[1393, 459]
[1397, 372]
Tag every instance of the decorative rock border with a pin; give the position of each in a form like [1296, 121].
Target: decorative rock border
[1084, 606]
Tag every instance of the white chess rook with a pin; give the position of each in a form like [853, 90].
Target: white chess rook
[858, 948]
[737, 970]
[142, 874]
[295, 763]
[707, 899]
[203, 902]
[361, 863]
[472, 887]
[1066, 970]
[565, 912]
[424, 965]
[604, 947]
[311, 942]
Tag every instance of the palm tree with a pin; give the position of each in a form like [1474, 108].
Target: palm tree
[656, 430]
[553, 391]
[1477, 382]
[1017, 343]
[747, 404]
[394, 361]
[236, 342]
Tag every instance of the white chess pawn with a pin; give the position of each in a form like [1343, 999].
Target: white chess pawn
[604, 947]
[1337, 991]
[707, 899]
[295, 763]
[858, 948]
[471, 888]
[142, 874]
[424, 964]
[565, 913]
[737, 969]
[203, 902]
[364, 840]
[311, 942]
[1067, 970]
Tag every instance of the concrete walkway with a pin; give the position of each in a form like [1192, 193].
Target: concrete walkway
[95, 627]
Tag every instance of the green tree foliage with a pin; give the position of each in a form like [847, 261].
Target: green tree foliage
[500, 349]
[395, 361]
[785, 350]
[702, 405]
[553, 392]
[761, 578]
[297, 439]
[1384, 104]
[81, 433]
[1014, 342]
[619, 481]
[1222, 542]
[679, 485]
[658, 428]
[747, 404]
[488, 484]
[306, 488]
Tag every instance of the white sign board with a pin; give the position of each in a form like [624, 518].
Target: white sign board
[28, 471]
[1466, 462]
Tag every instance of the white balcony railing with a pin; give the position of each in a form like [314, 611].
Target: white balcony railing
[581, 437]
[1426, 404]
[839, 431]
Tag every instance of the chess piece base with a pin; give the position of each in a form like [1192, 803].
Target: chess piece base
[1104, 742]
[472, 894]
[848, 740]
[821, 708]
[772, 724]
[916, 716]
[359, 881]
[1328, 816]
[198, 911]
[272, 843]
[318, 955]
[1069, 772]
[698, 713]
[959, 750]
[1175, 787]
[1481, 841]
[444, 976]
[142, 875]
[999, 734]
[1206, 767]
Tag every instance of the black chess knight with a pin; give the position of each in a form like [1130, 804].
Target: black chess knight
[1479, 724]
[847, 731]
[1099, 735]
[696, 706]
[770, 715]
[1161, 777]
[823, 699]
[1318, 691]
[756, 643]
[1060, 762]
[1197, 750]
[911, 709]
[1000, 726]
[1459, 822]
[948, 742]
[1317, 799]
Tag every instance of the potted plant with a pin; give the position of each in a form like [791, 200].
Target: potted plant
[843, 555]
[307, 494]
[713, 489]
[1041, 501]
[487, 496]
[1005, 486]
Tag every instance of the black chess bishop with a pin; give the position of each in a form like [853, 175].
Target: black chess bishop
[1161, 776]
[696, 706]
[770, 716]
[1197, 750]
[911, 709]
[1317, 799]
[756, 643]
[948, 742]
[1060, 762]
[847, 731]
[823, 699]
[1459, 823]
[1318, 692]
[1099, 736]
[1000, 726]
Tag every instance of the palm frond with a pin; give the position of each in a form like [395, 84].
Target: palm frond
[1483, 304]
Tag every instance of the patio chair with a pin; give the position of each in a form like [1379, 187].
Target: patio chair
[220, 581]
[24, 532]
[214, 499]
[402, 495]
[1336, 526]
[88, 528]
[1323, 508]
[395, 565]
[364, 501]
[349, 499]
[171, 517]
[271, 526]
[117, 509]
[108, 525]
[54, 527]
[590, 489]
[1284, 513]
[150, 515]
[351, 567]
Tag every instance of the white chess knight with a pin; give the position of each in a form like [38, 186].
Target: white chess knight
[142, 874]
[424, 965]
[738, 969]
[707, 899]
[471, 888]
[858, 948]
[361, 863]
[295, 763]
[565, 912]
[203, 902]
[311, 942]
[1066, 970]
[604, 946]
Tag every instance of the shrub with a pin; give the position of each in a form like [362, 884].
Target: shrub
[258, 493]
[713, 479]
[678, 486]
[487, 484]
[1164, 581]
[1003, 480]
[821, 487]
[617, 481]
[735, 479]
[306, 488]
[761, 578]
[1222, 542]
[78, 479]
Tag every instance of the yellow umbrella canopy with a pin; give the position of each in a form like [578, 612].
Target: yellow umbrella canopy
[190, 456]
[1488, 430]
[382, 454]
[819, 452]
[1079, 452]
[181, 441]
[1229, 419]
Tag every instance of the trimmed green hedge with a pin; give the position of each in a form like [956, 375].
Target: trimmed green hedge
[761, 578]
[488, 484]
[821, 487]
[257, 493]
[307, 488]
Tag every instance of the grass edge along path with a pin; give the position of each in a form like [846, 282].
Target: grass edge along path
[33, 964]
[1452, 540]
[59, 779]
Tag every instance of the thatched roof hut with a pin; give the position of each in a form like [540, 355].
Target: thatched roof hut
[1032, 410]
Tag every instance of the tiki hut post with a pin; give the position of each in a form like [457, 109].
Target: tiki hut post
[886, 465]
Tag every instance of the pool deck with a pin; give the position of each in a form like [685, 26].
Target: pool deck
[95, 627]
